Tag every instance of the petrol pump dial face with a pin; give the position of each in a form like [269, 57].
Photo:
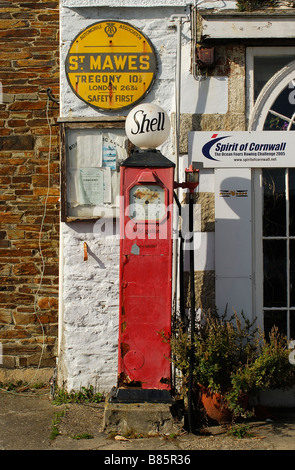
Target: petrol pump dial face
[147, 202]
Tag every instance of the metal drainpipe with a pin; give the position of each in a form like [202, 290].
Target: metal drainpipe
[178, 19]
[193, 313]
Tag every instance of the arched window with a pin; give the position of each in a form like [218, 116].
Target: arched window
[275, 105]
[275, 209]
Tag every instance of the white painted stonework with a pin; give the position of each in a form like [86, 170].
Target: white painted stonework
[89, 315]
[197, 102]
[238, 26]
[123, 3]
[89, 288]
[89, 301]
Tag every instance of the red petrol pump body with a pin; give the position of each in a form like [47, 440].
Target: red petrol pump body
[147, 181]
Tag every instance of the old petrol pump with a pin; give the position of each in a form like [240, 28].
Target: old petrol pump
[146, 192]
[146, 274]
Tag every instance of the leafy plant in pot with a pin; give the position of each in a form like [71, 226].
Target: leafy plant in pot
[232, 360]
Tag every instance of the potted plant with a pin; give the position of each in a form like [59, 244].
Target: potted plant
[232, 360]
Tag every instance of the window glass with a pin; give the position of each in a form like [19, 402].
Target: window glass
[278, 204]
[292, 201]
[274, 202]
[281, 114]
[91, 163]
[292, 273]
[265, 67]
[292, 325]
[276, 318]
[275, 273]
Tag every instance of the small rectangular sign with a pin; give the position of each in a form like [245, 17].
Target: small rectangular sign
[248, 149]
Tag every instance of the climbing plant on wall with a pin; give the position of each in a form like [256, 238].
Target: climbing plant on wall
[251, 5]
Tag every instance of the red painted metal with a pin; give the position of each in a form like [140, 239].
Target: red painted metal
[145, 287]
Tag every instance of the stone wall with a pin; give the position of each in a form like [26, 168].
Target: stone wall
[229, 63]
[29, 181]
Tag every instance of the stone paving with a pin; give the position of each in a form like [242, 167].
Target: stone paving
[27, 420]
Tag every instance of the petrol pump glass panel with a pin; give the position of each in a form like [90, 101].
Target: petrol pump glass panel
[274, 203]
[275, 273]
[147, 202]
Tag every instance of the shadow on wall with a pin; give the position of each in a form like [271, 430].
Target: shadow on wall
[225, 279]
[233, 240]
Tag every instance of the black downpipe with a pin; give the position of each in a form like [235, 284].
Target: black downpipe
[192, 299]
[181, 267]
[193, 313]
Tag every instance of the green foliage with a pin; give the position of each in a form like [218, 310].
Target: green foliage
[233, 358]
[84, 395]
[84, 435]
[240, 431]
[54, 433]
[252, 5]
[221, 347]
[55, 423]
[271, 368]
[8, 386]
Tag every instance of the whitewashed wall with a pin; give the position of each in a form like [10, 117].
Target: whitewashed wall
[89, 315]
[89, 302]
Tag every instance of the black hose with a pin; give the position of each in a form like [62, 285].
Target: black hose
[192, 300]
[193, 313]
[181, 268]
[49, 94]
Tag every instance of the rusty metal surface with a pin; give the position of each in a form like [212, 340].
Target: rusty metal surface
[145, 291]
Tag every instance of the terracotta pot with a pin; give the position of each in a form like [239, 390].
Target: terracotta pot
[215, 406]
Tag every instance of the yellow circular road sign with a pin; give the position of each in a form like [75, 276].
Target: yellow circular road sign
[111, 65]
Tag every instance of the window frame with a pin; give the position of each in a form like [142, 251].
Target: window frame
[256, 114]
[76, 124]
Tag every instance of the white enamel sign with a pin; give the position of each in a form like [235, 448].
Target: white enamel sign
[256, 149]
